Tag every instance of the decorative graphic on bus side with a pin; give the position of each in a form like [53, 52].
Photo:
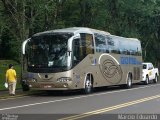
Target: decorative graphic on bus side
[111, 71]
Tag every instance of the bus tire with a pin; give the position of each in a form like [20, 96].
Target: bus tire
[146, 82]
[156, 79]
[129, 82]
[88, 85]
[25, 87]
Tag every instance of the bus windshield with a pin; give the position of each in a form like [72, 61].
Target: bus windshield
[48, 52]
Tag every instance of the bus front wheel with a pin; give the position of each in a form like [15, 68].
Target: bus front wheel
[25, 86]
[88, 85]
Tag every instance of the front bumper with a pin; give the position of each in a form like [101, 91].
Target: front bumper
[49, 86]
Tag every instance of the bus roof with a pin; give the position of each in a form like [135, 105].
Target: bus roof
[75, 30]
[133, 39]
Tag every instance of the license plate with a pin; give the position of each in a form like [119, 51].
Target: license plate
[46, 86]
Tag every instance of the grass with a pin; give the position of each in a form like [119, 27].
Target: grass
[3, 67]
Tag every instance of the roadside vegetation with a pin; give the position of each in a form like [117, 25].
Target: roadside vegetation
[140, 19]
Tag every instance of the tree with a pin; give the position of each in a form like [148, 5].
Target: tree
[128, 18]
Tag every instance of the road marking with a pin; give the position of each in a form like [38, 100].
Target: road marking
[7, 97]
[11, 98]
[87, 114]
[73, 98]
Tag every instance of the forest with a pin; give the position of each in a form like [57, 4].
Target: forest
[20, 19]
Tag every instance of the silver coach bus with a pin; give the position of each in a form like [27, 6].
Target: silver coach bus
[80, 58]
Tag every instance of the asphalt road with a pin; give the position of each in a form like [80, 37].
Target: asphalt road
[112, 103]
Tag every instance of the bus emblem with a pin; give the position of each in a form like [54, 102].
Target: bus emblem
[111, 71]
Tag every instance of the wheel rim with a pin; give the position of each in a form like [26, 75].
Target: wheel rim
[88, 86]
[129, 82]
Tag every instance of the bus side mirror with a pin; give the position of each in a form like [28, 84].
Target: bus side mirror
[69, 53]
[24, 46]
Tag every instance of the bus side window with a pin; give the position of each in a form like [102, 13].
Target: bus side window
[82, 47]
[100, 41]
[86, 45]
[110, 44]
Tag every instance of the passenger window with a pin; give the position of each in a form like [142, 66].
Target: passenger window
[82, 47]
[86, 44]
[110, 43]
[100, 41]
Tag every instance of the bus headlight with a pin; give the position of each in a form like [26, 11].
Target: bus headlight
[32, 80]
[64, 79]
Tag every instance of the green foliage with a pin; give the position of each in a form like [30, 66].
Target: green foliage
[20, 19]
[8, 45]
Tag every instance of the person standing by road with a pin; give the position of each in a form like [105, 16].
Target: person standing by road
[11, 79]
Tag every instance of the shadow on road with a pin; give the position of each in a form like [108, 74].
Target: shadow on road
[72, 93]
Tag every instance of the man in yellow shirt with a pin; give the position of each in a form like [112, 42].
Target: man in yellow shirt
[11, 79]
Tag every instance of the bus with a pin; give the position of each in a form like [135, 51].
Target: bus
[80, 58]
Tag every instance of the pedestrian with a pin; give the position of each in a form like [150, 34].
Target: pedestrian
[11, 79]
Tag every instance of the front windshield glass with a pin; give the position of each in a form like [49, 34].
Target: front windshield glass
[48, 52]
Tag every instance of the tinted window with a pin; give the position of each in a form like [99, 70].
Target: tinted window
[48, 52]
[144, 66]
[82, 47]
[86, 45]
[100, 41]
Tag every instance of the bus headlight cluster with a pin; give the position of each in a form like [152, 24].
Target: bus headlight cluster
[64, 79]
[33, 80]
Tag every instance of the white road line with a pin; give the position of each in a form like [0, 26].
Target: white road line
[84, 96]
